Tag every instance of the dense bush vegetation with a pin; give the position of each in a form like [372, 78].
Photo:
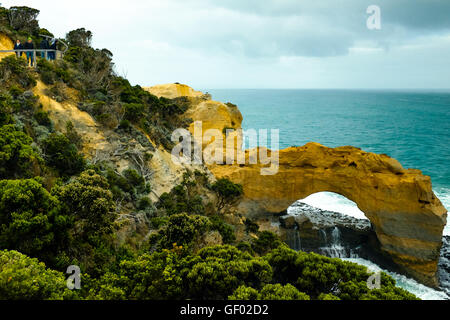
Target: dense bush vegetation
[24, 278]
[28, 217]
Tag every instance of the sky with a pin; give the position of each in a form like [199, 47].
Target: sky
[224, 44]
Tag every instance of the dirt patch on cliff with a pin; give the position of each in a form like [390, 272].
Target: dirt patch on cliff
[61, 113]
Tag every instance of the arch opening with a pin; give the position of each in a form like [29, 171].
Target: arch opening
[332, 202]
[330, 224]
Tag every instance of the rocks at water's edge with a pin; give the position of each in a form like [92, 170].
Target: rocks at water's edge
[444, 265]
[335, 235]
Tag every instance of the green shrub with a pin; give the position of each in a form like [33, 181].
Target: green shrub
[17, 157]
[134, 178]
[6, 109]
[223, 269]
[178, 201]
[116, 180]
[73, 135]
[28, 217]
[266, 242]
[244, 293]
[24, 278]
[183, 230]
[225, 230]
[269, 292]
[144, 203]
[89, 201]
[42, 118]
[125, 125]
[317, 275]
[63, 155]
[15, 71]
[134, 111]
[250, 226]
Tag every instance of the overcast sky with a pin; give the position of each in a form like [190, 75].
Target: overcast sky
[264, 43]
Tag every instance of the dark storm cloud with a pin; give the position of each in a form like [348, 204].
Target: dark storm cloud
[427, 15]
[275, 28]
[418, 14]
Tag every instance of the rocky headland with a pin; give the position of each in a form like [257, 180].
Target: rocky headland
[406, 216]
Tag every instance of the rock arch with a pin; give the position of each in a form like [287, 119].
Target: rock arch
[408, 218]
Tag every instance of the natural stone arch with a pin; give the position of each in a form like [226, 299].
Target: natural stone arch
[408, 218]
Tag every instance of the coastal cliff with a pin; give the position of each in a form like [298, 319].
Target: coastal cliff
[407, 217]
[88, 180]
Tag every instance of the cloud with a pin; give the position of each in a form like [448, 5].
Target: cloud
[270, 43]
[323, 28]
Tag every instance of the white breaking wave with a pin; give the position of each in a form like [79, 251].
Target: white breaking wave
[334, 202]
[421, 291]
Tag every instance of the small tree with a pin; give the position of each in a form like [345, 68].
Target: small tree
[79, 38]
[89, 202]
[228, 193]
[24, 19]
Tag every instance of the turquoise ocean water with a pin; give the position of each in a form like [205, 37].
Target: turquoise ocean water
[411, 126]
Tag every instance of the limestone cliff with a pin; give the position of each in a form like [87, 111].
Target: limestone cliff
[172, 91]
[212, 114]
[408, 218]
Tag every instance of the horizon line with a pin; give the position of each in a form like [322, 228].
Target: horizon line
[340, 89]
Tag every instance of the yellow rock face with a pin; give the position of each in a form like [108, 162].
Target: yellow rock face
[212, 114]
[173, 90]
[5, 44]
[61, 113]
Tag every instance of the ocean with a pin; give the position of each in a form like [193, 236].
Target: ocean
[410, 126]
